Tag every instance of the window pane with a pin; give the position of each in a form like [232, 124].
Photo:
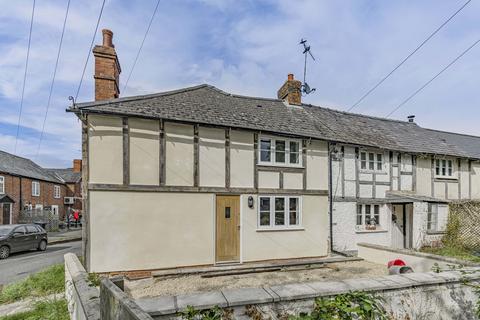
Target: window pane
[280, 151]
[264, 218]
[293, 213]
[264, 204]
[367, 213]
[363, 156]
[444, 165]
[450, 167]
[294, 152]
[265, 150]
[279, 211]
[359, 215]
[376, 214]
[371, 161]
[379, 162]
[437, 167]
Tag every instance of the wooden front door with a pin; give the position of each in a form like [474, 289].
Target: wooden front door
[227, 246]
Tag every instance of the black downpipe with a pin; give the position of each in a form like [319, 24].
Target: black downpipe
[330, 194]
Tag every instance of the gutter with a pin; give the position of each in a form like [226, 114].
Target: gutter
[330, 195]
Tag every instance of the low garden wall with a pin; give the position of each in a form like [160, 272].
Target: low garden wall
[419, 261]
[430, 295]
[83, 299]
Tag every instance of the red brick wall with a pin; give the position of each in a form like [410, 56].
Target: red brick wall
[12, 189]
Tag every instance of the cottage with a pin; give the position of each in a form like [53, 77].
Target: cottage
[198, 176]
[25, 185]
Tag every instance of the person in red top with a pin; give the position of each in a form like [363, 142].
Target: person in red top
[76, 216]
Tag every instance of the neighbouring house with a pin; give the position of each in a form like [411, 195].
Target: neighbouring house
[198, 176]
[24, 185]
[72, 177]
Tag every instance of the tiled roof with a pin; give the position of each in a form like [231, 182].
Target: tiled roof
[67, 174]
[209, 105]
[469, 143]
[16, 165]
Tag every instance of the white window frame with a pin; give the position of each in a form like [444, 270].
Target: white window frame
[432, 217]
[273, 160]
[287, 225]
[446, 164]
[56, 192]
[35, 188]
[363, 214]
[2, 184]
[372, 157]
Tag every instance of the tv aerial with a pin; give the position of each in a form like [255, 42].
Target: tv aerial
[306, 51]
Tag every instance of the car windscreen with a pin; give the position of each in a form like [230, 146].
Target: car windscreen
[4, 230]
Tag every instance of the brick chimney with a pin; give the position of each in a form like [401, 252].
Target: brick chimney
[291, 91]
[107, 69]
[77, 165]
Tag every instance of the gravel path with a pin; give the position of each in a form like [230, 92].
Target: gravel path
[195, 283]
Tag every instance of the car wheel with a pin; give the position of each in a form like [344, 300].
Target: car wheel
[42, 246]
[4, 252]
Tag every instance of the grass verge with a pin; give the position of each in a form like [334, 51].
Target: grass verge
[43, 283]
[43, 310]
[453, 252]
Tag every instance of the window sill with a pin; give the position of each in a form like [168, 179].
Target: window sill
[280, 165]
[442, 178]
[436, 232]
[280, 229]
[370, 231]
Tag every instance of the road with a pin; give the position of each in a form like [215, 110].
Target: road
[20, 265]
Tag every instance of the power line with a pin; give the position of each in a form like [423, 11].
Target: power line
[141, 45]
[90, 50]
[408, 57]
[53, 80]
[429, 81]
[24, 80]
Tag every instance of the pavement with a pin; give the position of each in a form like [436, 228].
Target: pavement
[21, 265]
[65, 236]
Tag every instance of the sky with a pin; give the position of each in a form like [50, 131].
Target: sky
[245, 47]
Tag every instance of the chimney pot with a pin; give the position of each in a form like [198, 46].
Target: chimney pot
[411, 118]
[290, 77]
[107, 69]
[107, 38]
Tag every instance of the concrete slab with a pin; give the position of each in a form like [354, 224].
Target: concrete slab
[326, 288]
[203, 300]
[275, 296]
[236, 297]
[294, 291]
[424, 277]
[158, 305]
[400, 279]
[386, 280]
[365, 284]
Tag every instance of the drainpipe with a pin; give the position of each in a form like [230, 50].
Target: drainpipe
[330, 200]
[330, 194]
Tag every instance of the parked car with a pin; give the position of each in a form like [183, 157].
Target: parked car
[21, 237]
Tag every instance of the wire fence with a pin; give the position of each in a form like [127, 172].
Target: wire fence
[463, 228]
[44, 217]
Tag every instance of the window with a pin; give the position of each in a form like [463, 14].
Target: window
[31, 229]
[432, 217]
[2, 184]
[444, 168]
[368, 214]
[373, 160]
[35, 188]
[56, 192]
[279, 212]
[283, 152]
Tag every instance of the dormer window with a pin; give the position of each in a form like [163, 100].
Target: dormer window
[279, 151]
